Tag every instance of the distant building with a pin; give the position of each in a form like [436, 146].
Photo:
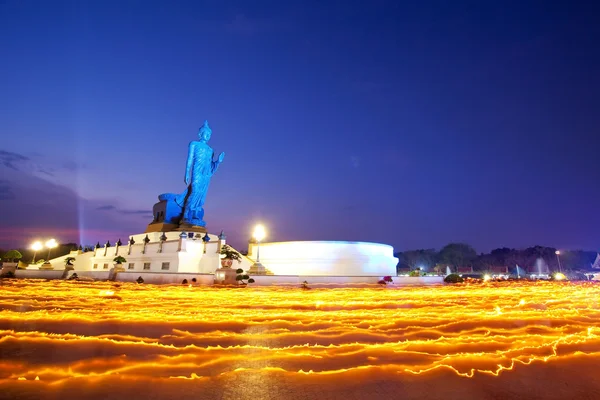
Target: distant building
[596, 264]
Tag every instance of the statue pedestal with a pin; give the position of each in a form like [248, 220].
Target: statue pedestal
[161, 227]
[184, 227]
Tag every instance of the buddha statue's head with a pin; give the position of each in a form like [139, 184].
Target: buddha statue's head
[204, 132]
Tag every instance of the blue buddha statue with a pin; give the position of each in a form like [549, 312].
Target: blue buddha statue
[187, 207]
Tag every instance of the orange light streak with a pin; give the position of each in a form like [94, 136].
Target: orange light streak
[104, 329]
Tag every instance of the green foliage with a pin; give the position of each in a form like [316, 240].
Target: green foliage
[12, 255]
[69, 261]
[230, 253]
[241, 277]
[453, 278]
[119, 260]
[416, 272]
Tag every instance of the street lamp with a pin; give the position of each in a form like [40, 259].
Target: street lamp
[36, 246]
[50, 244]
[557, 252]
[259, 234]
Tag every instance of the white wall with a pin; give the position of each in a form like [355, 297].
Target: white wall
[282, 258]
[38, 274]
[324, 281]
[327, 258]
[165, 278]
[96, 275]
[182, 255]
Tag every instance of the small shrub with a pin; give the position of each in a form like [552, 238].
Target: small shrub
[382, 282]
[184, 282]
[140, 280]
[119, 259]
[453, 278]
[304, 285]
[241, 277]
[230, 253]
[388, 279]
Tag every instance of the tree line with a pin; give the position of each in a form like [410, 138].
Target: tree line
[457, 255]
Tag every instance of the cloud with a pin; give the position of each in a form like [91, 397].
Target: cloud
[20, 162]
[11, 160]
[70, 166]
[34, 208]
[110, 207]
[5, 191]
[135, 211]
[143, 213]
[106, 208]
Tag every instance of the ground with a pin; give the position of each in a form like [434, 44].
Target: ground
[98, 340]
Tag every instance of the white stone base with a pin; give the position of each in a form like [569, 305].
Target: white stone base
[8, 269]
[225, 276]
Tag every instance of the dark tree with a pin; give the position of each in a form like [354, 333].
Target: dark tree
[424, 258]
[458, 255]
[12, 255]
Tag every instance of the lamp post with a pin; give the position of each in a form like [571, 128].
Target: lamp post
[557, 252]
[50, 244]
[36, 246]
[259, 234]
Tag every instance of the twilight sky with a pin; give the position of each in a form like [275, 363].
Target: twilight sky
[410, 124]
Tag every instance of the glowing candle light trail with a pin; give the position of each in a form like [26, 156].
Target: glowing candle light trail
[145, 333]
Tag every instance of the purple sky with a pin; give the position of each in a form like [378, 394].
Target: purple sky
[413, 125]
